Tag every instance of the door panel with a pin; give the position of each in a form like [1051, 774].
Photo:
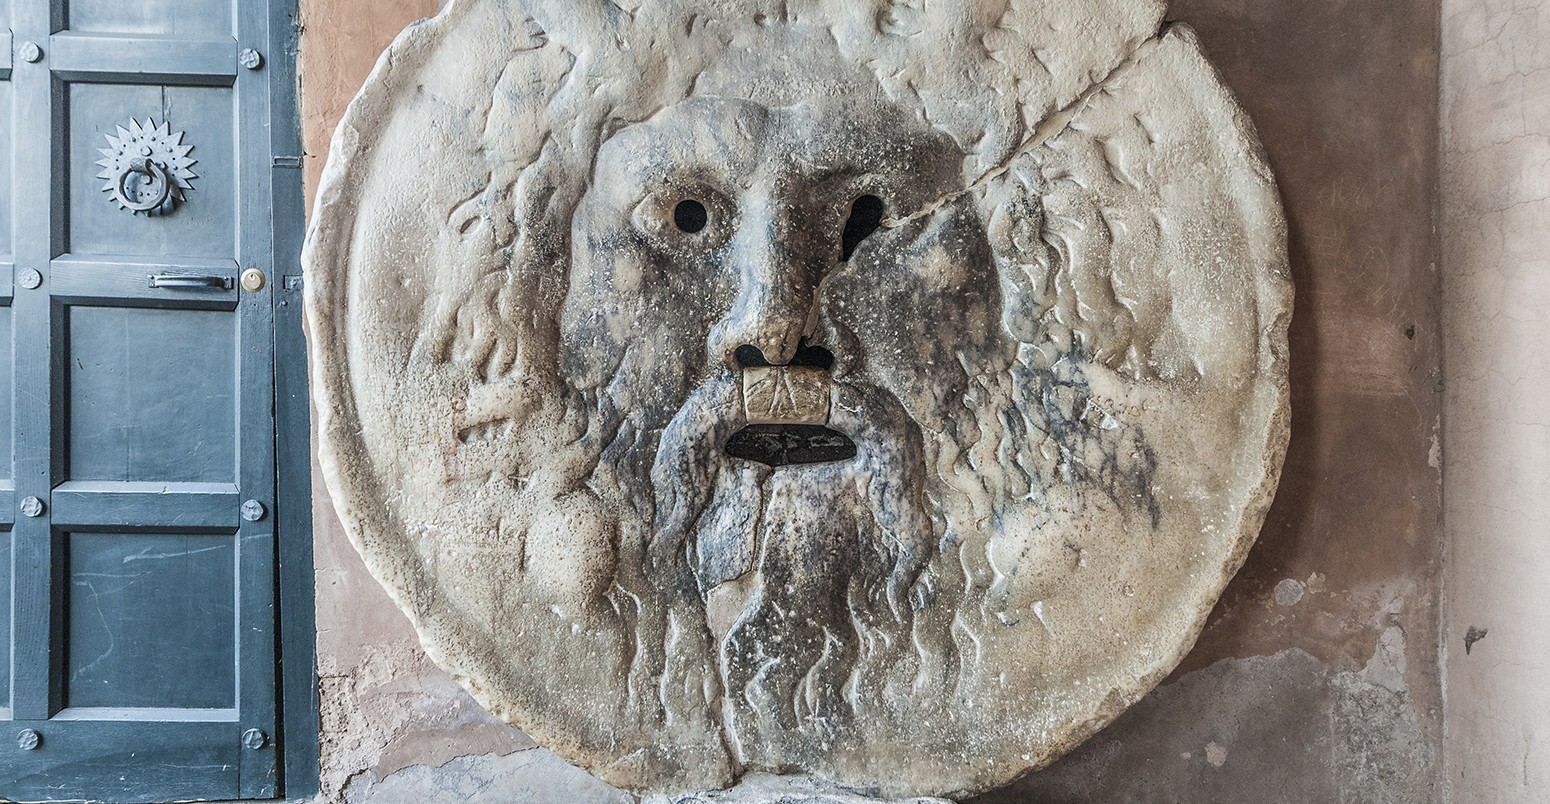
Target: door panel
[182, 761]
[151, 621]
[5, 167]
[7, 358]
[203, 226]
[7, 505]
[152, 394]
[173, 17]
[5, 624]
[7, 495]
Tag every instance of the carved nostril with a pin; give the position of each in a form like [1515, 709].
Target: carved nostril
[750, 356]
[813, 356]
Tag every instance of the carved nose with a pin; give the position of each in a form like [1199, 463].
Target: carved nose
[768, 331]
[779, 269]
[781, 261]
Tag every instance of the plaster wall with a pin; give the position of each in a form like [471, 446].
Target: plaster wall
[1496, 297]
[1317, 677]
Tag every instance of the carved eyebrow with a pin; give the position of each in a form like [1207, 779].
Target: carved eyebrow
[822, 172]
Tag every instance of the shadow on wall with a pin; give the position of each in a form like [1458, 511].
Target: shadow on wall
[1265, 728]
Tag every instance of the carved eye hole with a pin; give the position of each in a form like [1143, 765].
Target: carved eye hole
[684, 221]
[866, 217]
[690, 216]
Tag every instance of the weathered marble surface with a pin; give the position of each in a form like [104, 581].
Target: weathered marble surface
[1059, 361]
[758, 788]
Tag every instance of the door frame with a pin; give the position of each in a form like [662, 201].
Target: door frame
[297, 621]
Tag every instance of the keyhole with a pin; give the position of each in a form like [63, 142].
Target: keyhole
[866, 217]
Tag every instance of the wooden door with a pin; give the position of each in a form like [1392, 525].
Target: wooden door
[137, 402]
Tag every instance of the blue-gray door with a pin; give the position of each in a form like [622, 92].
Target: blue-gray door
[137, 407]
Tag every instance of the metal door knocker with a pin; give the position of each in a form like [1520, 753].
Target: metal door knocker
[147, 167]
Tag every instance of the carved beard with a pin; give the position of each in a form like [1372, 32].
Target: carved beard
[805, 570]
[805, 578]
[800, 598]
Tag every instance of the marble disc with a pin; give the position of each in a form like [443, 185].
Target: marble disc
[880, 393]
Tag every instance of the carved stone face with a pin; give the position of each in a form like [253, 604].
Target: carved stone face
[868, 397]
[715, 224]
[735, 296]
[726, 237]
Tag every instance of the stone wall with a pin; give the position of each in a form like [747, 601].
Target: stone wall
[1317, 678]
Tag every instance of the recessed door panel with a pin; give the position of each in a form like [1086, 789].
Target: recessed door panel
[7, 361]
[151, 621]
[5, 624]
[177, 17]
[7, 190]
[152, 394]
[203, 223]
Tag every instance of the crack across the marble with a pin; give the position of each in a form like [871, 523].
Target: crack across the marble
[1047, 129]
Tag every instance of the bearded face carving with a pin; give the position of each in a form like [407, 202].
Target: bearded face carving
[841, 390]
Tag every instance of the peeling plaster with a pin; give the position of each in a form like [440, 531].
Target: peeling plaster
[1290, 592]
[529, 777]
[384, 706]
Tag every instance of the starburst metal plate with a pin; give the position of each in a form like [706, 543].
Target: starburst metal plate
[147, 167]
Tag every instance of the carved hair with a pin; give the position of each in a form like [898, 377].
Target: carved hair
[502, 275]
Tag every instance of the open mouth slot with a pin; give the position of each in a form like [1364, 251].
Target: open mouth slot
[790, 444]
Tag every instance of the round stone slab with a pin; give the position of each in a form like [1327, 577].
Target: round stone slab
[756, 788]
[879, 394]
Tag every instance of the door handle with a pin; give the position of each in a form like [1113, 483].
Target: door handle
[190, 281]
[154, 192]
